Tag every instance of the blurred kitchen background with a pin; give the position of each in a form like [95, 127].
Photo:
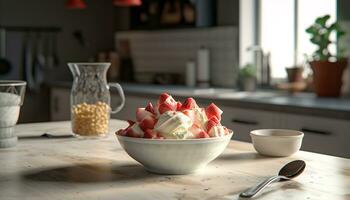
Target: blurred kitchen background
[232, 52]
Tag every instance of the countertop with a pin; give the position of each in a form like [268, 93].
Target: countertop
[270, 100]
[62, 167]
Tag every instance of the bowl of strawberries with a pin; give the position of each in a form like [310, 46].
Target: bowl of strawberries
[173, 137]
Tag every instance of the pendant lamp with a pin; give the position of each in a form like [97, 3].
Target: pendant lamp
[75, 4]
[127, 3]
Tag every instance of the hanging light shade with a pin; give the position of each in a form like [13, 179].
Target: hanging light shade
[127, 3]
[75, 4]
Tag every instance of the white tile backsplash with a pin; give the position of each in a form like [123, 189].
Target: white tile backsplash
[169, 50]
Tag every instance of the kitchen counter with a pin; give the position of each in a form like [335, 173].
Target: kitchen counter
[61, 167]
[270, 100]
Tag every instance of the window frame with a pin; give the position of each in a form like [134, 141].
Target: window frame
[256, 40]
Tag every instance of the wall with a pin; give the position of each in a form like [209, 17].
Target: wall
[169, 50]
[96, 22]
[228, 12]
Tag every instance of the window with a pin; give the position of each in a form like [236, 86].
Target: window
[307, 13]
[277, 33]
[282, 30]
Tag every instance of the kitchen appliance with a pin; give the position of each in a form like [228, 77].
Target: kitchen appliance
[262, 63]
[190, 74]
[90, 99]
[203, 67]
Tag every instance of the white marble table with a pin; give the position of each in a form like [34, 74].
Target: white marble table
[64, 168]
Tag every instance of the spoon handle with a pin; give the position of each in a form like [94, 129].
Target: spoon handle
[254, 190]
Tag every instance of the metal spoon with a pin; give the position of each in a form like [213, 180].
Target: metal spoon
[287, 172]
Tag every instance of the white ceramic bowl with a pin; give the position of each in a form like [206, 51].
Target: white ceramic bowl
[276, 142]
[170, 156]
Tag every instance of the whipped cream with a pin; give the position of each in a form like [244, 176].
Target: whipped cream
[217, 131]
[174, 124]
[200, 117]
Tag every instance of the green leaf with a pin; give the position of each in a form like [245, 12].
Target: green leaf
[340, 34]
[312, 30]
[248, 70]
[320, 34]
[322, 21]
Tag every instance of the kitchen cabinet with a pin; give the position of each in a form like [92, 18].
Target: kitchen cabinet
[242, 121]
[60, 104]
[322, 135]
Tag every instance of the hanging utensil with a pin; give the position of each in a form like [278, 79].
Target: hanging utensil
[56, 60]
[28, 60]
[40, 60]
[5, 65]
[48, 49]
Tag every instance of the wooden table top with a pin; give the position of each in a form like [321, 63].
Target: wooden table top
[70, 168]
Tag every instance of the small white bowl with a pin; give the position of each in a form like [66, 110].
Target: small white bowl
[276, 142]
[171, 156]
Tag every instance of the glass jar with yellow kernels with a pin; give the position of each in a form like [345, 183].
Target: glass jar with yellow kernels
[90, 99]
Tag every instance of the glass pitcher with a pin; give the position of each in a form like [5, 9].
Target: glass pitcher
[90, 99]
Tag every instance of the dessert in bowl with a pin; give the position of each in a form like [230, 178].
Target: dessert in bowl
[174, 137]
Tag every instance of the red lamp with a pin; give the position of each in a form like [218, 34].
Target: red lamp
[127, 3]
[75, 4]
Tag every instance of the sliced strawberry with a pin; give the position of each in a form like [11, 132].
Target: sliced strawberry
[148, 123]
[159, 137]
[142, 113]
[164, 107]
[130, 122]
[150, 108]
[213, 110]
[134, 131]
[202, 134]
[213, 121]
[178, 105]
[149, 133]
[189, 104]
[166, 103]
[163, 97]
[121, 132]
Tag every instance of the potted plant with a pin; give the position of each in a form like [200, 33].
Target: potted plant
[327, 68]
[247, 77]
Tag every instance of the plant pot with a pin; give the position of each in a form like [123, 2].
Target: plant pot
[248, 84]
[327, 77]
[295, 74]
